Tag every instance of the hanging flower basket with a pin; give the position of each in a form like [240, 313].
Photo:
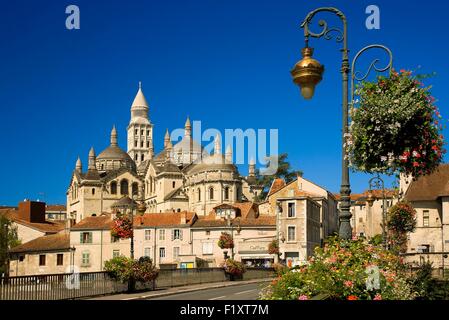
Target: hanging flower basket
[234, 267]
[273, 247]
[225, 241]
[401, 219]
[122, 227]
[395, 127]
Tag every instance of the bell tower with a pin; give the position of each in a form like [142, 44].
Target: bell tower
[140, 130]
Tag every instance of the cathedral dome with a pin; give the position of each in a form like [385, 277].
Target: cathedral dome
[214, 162]
[113, 157]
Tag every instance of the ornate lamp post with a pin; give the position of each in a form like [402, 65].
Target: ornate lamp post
[228, 213]
[308, 72]
[377, 183]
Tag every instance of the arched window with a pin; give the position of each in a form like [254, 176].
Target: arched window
[226, 193]
[174, 184]
[124, 187]
[93, 191]
[113, 187]
[142, 157]
[137, 157]
[211, 193]
[135, 188]
[141, 144]
[148, 144]
[199, 194]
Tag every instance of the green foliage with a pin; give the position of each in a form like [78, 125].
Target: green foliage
[234, 267]
[376, 240]
[340, 271]
[8, 239]
[283, 171]
[401, 219]
[395, 127]
[273, 247]
[427, 287]
[123, 269]
[225, 241]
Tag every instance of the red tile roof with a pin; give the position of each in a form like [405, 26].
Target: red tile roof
[53, 242]
[102, 222]
[55, 207]
[46, 227]
[430, 187]
[276, 185]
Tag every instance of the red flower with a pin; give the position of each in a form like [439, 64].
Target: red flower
[352, 297]
[415, 164]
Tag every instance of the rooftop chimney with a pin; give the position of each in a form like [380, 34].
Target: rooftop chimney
[32, 211]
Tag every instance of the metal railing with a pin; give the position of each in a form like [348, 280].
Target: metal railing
[68, 286]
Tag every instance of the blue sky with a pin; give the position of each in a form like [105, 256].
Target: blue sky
[226, 63]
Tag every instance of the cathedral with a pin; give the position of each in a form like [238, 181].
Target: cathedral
[182, 177]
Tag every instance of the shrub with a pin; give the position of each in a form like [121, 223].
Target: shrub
[234, 267]
[401, 219]
[123, 269]
[344, 270]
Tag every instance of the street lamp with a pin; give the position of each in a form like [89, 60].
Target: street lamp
[228, 213]
[307, 73]
[278, 219]
[377, 183]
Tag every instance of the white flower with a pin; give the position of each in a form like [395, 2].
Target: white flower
[383, 158]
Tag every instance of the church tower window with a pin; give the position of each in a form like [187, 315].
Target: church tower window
[135, 188]
[93, 191]
[142, 157]
[199, 194]
[211, 193]
[226, 193]
[124, 187]
[113, 187]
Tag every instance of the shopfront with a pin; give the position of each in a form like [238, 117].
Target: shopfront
[255, 254]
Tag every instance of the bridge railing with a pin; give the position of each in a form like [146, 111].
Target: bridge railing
[68, 286]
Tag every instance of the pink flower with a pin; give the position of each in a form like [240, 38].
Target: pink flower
[303, 297]
[377, 297]
[348, 284]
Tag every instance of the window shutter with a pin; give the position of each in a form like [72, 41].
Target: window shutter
[90, 237]
[180, 234]
[81, 237]
[172, 234]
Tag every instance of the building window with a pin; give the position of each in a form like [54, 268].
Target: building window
[291, 234]
[147, 235]
[113, 187]
[207, 232]
[175, 253]
[148, 144]
[124, 187]
[135, 143]
[21, 258]
[291, 210]
[86, 237]
[148, 133]
[60, 259]
[173, 184]
[161, 235]
[360, 220]
[115, 253]
[425, 218]
[177, 234]
[136, 157]
[147, 252]
[211, 193]
[42, 260]
[93, 191]
[142, 157]
[161, 252]
[135, 188]
[85, 259]
[141, 144]
[208, 247]
[114, 239]
[199, 194]
[137, 132]
[141, 132]
[226, 193]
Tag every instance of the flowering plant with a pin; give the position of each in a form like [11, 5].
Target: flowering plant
[345, 270]
[123, 269]
[273, 247]
[401, 219]
[234, 267]
[395, 127]
[225, 241]
[122, 227]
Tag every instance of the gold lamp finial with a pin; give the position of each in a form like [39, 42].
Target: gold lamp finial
[307, 73]
[370, 199]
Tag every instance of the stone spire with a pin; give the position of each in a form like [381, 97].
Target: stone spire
[168, 148]
[217, 147]
[188, 128]
[228, 154]
[166, 138]
[139, 102]
[92, 159]
[114, 137]
[79, 166]
[252, 168]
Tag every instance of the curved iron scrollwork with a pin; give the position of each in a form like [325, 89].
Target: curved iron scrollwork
[358, 76]
[326, 32]
[376, 183]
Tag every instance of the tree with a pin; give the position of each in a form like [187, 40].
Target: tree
[283, 171]
[8, 239]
